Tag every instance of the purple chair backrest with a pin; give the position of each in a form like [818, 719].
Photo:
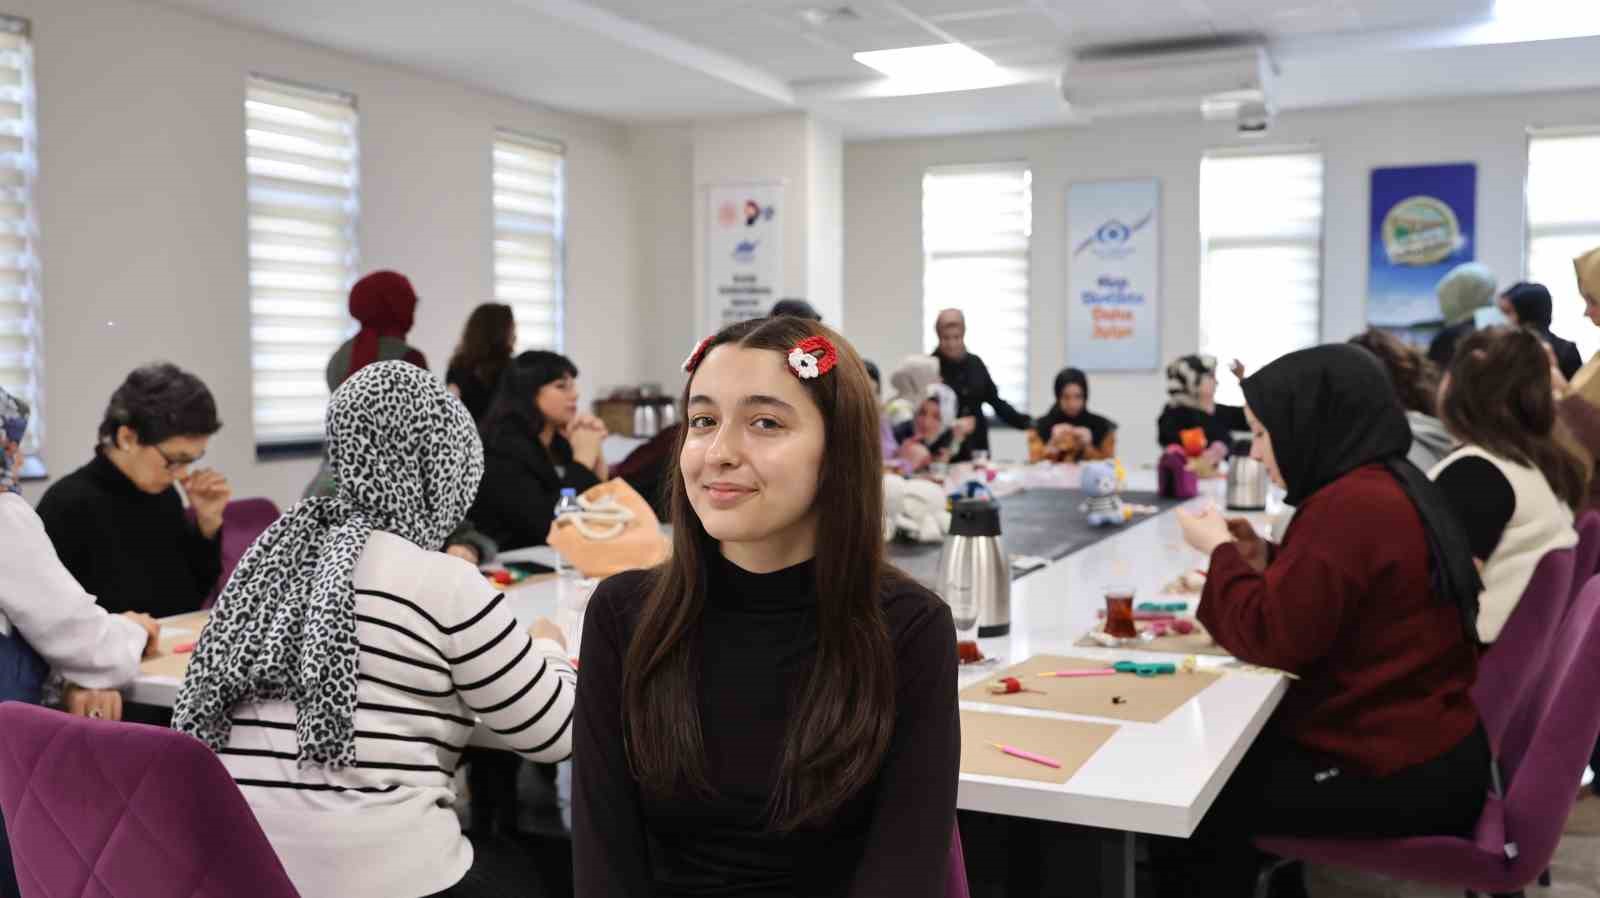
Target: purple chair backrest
[1514, 667]
[956, 884]
[120, 810]
[242, 522]
[1588, 550]
[1566, 724]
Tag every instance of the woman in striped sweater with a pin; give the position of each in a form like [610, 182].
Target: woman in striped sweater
[347, 659]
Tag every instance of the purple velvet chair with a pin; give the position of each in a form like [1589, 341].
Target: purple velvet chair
[956, 885]
[1516, 835]
[1510, 670]
[97, 809]
[242, 521]
[1588, 550]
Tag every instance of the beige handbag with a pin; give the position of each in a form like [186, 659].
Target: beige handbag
[616, 531]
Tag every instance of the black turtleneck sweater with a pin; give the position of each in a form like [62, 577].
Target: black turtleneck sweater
[758, 637]
[132, 550]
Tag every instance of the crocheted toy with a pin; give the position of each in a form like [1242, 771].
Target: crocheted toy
[1203, 459]
[1104, 508]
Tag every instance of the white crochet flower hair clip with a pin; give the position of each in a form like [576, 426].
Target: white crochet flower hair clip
[805, 362]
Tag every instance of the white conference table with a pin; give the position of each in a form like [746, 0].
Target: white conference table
[1152, 778]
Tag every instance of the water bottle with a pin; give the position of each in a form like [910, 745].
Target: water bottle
[567, 505]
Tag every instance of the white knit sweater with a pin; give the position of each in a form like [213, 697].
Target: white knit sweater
[40, 599]
[1539, 523]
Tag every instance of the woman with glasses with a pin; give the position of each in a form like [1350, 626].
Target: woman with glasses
[118, 522]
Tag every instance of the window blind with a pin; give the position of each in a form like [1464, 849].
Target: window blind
[21, 334]
[1261, 258]
[302, 161]
[530, 236]
[977, 224]
[1563, 196]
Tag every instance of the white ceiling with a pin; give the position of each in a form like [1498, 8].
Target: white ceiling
[678, 60]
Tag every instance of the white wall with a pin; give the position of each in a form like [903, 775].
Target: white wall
[673, 166]
[666, 200]
[883, 256]
[760, 148]
[825, 221]
[142, 192]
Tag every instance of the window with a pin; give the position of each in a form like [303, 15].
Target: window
[1261, 258]
[302, 161]
[977, 221]
[1563, 223]
[530, 236]
[21, 337]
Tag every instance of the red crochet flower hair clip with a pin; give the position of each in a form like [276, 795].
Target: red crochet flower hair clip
[804, 361]
[693, 361]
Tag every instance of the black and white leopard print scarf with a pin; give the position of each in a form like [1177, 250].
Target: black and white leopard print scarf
[408, 461]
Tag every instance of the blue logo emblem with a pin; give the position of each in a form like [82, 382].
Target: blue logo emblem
[1111, 239]
[745, 252]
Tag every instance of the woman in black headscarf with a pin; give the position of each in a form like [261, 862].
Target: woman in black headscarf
[1370, 601]
[1529, 305]
[1069, 431]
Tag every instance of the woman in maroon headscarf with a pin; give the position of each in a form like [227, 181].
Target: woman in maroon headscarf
[385, 304]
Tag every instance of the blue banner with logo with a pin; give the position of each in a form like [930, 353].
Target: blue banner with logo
[1424, 220]
[1113, 275]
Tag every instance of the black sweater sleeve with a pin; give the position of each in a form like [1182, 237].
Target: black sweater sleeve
[1483, 500]
[991, 394]
[1568, 359]
[1232, 417]
[203, 556]
[610, 851]
[61, 510]
[1173, 421]
[908, 839]
[516, 505]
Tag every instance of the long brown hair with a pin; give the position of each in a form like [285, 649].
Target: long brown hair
[840, 722]
[1498, 397]
[1415, 376]
[485, 345]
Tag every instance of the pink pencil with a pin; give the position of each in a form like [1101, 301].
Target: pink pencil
[1027, 755]
[1091, 672]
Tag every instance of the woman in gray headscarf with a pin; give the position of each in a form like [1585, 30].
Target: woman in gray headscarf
[1462, 292]
[345, 661]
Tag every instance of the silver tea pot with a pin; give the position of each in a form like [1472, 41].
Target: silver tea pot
[1247, 484]
[974, 570]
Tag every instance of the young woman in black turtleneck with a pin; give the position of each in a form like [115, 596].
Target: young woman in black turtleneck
[773, 711]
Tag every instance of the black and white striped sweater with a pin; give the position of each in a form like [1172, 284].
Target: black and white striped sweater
[439, 650]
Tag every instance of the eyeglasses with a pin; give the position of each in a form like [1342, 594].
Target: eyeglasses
[174, 465]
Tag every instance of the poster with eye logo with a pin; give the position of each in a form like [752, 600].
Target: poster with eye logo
[744, 246]
[1113, 275]
[1424, 220]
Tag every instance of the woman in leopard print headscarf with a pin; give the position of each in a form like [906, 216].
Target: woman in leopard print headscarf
[408, 461]
[348, 660]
